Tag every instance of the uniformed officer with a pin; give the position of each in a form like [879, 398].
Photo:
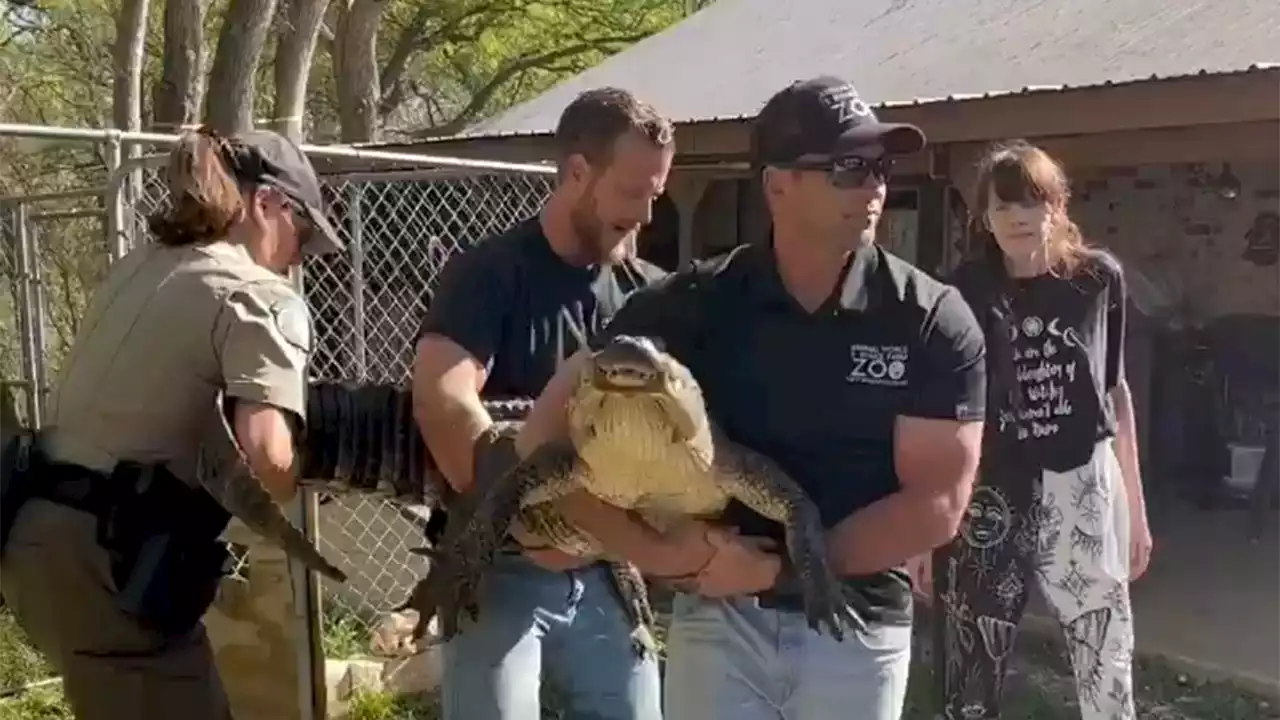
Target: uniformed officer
[858, 373]
[207, 309]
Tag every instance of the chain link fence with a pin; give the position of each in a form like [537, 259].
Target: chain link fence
[401, 227]
[51, 257]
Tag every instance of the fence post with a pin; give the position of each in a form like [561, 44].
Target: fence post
[313, 689]
[40, 385]
[26, 313]
[115, 200]
[355, 207]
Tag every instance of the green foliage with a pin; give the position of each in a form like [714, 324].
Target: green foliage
[21, 665]
[343, 634]
[366, 705]
[486, 55]
[442, 65]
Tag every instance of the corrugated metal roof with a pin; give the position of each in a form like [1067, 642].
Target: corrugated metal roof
[726, 60]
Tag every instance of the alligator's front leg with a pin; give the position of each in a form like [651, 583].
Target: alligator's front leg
[760, 484]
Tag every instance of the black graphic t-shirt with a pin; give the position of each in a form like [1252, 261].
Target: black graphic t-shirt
[1058, 360]
[520, 309]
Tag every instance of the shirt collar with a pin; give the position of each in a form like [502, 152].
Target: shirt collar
[854, 292]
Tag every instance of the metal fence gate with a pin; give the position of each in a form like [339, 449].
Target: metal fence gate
[402, 217]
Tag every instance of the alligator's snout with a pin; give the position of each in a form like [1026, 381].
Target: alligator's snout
[628, 376]
[628, 364]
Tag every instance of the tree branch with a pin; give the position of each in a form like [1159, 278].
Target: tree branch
[414, 39]
[481, 97]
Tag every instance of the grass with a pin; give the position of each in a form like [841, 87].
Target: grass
[21, 665]
[1039, 685]
[344, 634]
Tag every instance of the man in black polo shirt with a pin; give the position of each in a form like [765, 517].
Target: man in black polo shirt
[859, 374]
[505, 314]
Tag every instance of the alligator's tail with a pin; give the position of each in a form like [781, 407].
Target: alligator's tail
[225, 474]
[243, 496]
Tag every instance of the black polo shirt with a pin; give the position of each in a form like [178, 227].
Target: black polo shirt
[819, 392]
[519, 308]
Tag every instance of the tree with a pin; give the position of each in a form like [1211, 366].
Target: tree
[453, 63]
[177, 96]
[334, 69]
[233, 79]
[301, 20]
[355, 61]
[131, 34]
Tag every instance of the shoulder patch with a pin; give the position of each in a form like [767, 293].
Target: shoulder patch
[293, 321]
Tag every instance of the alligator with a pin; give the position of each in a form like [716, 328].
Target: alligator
[493, 457]
[358, 439]
[639, 439]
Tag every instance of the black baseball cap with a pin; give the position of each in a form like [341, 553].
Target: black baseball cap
[824, 116]
[267, 158]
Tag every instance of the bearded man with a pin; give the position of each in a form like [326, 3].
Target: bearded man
[506, 314]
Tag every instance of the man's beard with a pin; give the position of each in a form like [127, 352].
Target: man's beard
[589, 230]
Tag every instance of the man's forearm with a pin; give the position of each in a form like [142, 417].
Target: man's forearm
[892, 530]
[450, 427]
[625, 536]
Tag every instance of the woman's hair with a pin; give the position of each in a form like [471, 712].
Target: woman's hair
[205, 199]
[1020, 172]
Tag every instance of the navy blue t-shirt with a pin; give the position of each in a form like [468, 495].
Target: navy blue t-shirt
[820, 392]
[520, 309]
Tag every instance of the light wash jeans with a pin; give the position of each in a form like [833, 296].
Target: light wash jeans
[733, 660]
[566, 626]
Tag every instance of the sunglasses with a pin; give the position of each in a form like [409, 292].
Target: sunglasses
[847, 172]
[301, 222]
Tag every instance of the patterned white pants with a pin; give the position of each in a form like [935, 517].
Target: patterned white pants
[1070, 536]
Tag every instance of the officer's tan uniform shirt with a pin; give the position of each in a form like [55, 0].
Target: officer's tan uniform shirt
[166, 330]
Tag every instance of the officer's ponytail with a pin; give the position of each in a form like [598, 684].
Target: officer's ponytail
[205, 200]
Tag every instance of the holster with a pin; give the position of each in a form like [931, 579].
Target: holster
[18, 458]
[162, 537]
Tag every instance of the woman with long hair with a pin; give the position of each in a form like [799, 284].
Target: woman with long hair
[1059, 501]
[112, 554]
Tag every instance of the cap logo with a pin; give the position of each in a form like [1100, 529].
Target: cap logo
[844, 101]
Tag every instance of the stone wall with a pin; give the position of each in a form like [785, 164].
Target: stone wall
[1170, 227]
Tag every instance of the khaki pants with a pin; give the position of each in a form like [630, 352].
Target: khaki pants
[57, 581]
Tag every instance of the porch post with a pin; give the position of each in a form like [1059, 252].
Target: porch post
[931, 213]
[686, 190]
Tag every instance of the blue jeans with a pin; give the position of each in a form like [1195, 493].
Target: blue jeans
[733, 660]
[566, 626]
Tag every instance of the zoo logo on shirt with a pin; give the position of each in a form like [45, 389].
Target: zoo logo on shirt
[884, 365]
